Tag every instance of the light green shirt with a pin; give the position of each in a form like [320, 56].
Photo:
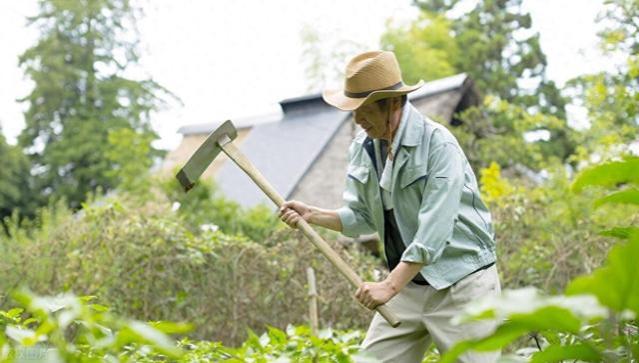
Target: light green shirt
[439, 212]
[386, 180]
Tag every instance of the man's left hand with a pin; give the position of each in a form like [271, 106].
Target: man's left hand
[372, 294]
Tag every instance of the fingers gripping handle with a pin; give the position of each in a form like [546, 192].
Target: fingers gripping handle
[234, 154]
[344, 268]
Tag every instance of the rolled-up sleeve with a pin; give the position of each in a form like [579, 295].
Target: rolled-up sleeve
[440, 204]
[354, 215]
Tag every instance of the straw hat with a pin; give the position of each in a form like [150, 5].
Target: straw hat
[370, 77]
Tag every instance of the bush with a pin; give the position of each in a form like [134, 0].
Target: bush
[596, 321]
[204, 206]
[144, 262]
[545, 234]
[72, 329]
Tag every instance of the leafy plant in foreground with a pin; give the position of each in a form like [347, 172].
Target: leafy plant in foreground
[596, 321]
[71, 329]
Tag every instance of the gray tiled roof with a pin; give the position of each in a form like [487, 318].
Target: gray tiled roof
[283, 151]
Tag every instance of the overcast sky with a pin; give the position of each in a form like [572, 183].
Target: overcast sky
[228, 59]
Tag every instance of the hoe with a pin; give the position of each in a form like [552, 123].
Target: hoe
[222, 140]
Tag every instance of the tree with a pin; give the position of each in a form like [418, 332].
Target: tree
[81, 92]
[495, 131]
[15, 191]
[497, 52]
[425, 48]
[612, 98]
[493, 43]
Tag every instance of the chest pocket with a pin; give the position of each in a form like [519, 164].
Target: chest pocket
[412, 175]
[359, 173]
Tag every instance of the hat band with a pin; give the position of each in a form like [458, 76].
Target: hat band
[397, 85]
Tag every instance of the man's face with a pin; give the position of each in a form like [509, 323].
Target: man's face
[372, 119]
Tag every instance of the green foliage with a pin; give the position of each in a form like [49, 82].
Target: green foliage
[80, 94]
[144, 261]
[616, 284]
[496, 131]
[486, 42]
[597, 319]
[16, 195]
[296, 344]
[612, 98]
[204, 207]
[131, 156]
[609, 174]
[425, 49]
[72, 329]
[574, 327]
[495, 57]
[621, 30]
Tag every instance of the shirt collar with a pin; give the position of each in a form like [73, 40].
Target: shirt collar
[413, 126]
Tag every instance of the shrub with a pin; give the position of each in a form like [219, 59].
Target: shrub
[144, 262]
[205, 206]
[545, 234]
[596, 321]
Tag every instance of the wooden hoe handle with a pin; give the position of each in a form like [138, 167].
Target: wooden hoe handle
[236, 155]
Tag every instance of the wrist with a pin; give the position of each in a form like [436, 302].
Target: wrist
[314, 215]
[391, 285]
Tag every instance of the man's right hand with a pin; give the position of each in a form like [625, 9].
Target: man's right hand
[291, 211]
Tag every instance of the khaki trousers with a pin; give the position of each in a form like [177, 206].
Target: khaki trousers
[425, 314]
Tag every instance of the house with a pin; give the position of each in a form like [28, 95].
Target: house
[303, 150]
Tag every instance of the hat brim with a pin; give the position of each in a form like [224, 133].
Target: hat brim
[338, 99]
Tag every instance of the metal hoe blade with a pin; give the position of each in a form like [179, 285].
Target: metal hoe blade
[205, 154]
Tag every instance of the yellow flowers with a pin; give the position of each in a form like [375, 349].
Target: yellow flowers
[493, 186]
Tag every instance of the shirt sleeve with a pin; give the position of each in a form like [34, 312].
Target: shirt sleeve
[354, 215]
[439, 206]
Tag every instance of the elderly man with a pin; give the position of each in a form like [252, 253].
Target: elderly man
[409, 181]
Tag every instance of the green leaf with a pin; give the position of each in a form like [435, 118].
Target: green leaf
[253, 341]
[609, 174]
[13, 313]
[169, 327]
[139, 332]
[87, 298]
[616, 284]
[523, 311]
[550, 318]
[99, 308]
[277, 336]
[556, 353]
[628, 196]
[519, 304]
[620, 232]
[547, 318]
